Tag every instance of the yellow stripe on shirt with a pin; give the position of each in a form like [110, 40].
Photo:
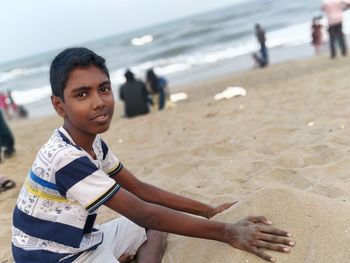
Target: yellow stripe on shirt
[43, 194]
[102, 198]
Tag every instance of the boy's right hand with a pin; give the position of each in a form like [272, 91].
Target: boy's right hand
[254, 234]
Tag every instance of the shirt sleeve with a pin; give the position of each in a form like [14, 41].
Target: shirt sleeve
[78, 179]
[110, 163]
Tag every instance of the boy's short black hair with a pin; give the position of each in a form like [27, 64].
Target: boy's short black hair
[68, 60]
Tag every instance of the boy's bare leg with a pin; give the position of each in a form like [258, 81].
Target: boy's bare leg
[153, 249]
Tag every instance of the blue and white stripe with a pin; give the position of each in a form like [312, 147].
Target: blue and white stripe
[54, 218]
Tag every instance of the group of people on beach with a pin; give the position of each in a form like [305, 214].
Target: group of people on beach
[333, 10]
[140, 98]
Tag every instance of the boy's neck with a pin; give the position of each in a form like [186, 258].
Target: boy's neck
[83, 140]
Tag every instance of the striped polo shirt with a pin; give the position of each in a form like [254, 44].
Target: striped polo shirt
[56, 209]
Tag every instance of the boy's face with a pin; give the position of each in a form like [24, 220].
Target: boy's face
[88, 103]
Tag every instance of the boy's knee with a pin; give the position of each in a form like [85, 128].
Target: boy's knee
[157, 236]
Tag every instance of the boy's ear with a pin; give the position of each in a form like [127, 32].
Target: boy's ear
[58, 105]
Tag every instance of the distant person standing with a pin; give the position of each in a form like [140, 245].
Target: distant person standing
[7, 140]
[261, 59]
[3, 104]
[316, 34]
[135, 96]
[334, 13]
[12, 106]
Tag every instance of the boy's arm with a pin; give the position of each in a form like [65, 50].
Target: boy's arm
[155, 195]
[251, 235]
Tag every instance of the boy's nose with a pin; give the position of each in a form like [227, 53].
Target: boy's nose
[98, 101]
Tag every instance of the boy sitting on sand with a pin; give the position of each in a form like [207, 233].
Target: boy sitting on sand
[74, 173]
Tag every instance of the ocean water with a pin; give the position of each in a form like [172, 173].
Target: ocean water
[176, 47]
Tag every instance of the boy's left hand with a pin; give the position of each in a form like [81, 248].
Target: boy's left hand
[218, 209]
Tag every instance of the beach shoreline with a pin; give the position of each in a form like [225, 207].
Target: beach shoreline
[285, 143]
[179, 81]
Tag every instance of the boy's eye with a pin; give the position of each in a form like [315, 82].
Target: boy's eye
[81, 94]
[105, 89]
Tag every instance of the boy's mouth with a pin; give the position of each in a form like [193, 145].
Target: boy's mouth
[101, 117]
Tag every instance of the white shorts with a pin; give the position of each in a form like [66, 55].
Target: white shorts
[120, 236]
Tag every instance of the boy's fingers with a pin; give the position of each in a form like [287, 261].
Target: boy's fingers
[274, 231]
[272, 246]
[226, 205]
[231, 203]
[277, 239]
[259, 219]
[260, 253]
[125, 258]
[220, 209]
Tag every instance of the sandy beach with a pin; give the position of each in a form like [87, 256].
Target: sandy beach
[281, 151]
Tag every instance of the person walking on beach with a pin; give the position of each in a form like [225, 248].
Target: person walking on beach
[75, 173]
[261, 59]
[135, 96]
[316, 34]
[334, 13]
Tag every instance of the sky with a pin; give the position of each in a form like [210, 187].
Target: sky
[29, 27]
